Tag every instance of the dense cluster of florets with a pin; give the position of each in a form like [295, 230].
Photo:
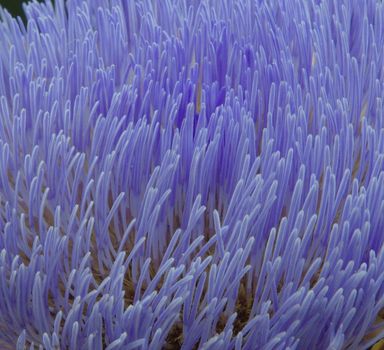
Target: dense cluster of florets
[192, 174]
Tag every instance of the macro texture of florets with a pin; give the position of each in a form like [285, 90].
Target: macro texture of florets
[194, 174]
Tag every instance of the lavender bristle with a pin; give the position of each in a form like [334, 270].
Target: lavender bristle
[192, 174]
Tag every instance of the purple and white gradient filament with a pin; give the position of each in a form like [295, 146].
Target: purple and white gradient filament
[192, 174]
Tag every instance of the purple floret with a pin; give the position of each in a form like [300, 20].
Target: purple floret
[192, 174]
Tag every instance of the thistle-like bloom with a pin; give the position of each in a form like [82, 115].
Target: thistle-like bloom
[192, 174]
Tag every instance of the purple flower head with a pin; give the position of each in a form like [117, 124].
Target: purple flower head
[192, 174]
